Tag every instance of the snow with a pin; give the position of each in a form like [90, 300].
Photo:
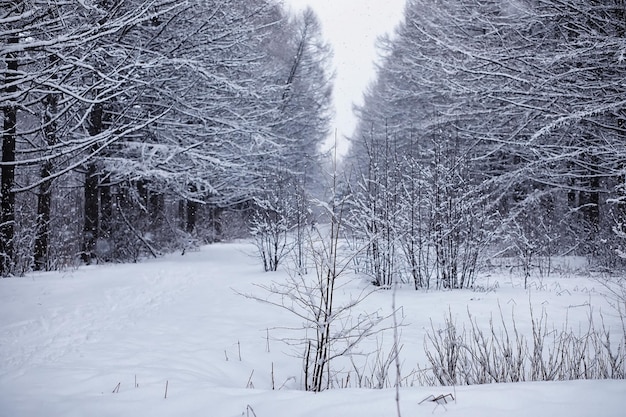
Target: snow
[68, 339]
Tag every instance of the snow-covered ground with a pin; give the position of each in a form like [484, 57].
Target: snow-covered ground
[108, 340]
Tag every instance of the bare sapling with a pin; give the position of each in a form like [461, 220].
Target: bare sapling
[328, 328]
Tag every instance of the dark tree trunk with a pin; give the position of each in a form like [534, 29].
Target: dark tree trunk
[90, 228]
[42, 238]
[92, 179]
[591, 196]
[192, 212]
[106, 211]
[106, 218]
[7, 195]
[592, 205]
[156, 205]
[182, 208]
[153, 203]
[142, 190]
[216, 223]
[594, 208]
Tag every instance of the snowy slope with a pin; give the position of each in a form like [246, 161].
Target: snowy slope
[68, 340]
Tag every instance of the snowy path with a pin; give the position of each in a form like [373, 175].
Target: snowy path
[67, 340]
[72, 333]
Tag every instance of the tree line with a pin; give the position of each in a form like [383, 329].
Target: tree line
[494, 128]
[135, 127]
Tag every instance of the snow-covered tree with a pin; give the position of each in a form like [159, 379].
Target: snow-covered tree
[411, 125]
[301, 61]
[146, 104]
[54, 97]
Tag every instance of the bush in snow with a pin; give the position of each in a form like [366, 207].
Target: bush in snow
[476, 355]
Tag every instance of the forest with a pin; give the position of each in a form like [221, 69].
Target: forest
[136, 128]
[494, 129]
[178, 232]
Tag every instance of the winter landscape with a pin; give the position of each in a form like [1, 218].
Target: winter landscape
[105, 341]
[189, 227]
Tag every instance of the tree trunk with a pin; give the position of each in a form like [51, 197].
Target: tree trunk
[42, 238]
[7, 195]
[192, 212]
[216, 223]
[156, 205]
[105, 229]
[90, 227]
[591, 196]
[182, 208]
[91, 221]
[142, 190]
[43, 221]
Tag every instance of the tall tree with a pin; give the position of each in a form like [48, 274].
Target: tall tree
[299, 58]
[58, 80]
[15, 12]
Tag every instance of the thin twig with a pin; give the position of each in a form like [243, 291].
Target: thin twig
[250, 384]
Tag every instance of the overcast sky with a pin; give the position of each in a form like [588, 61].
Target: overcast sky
[351, 27]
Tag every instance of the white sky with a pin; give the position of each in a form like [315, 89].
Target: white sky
[351, 27]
